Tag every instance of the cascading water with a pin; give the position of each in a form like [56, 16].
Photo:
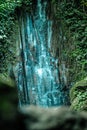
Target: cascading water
[38, 74]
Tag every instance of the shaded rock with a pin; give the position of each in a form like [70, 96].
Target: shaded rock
[53, 119]
[8, 97]
[36, 118]
[8, 103]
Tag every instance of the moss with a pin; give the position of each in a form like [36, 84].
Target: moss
[79, 104]
[78, 95]
[79, 88]
[6, 80]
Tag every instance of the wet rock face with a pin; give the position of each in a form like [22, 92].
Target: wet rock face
[41, 71]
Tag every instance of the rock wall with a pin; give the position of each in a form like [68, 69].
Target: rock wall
[41, 54]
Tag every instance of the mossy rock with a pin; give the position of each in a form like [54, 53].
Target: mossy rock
[8, 96]
[78, 96]
[79, 105]
[6, 80]
[79, 88]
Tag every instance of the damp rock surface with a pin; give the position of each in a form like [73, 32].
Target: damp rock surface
[38, 72]
[54, 118]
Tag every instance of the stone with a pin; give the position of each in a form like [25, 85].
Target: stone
[62, 118]
[37, 118]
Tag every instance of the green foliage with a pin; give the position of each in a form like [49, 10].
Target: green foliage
[78, 95]
[80, 103]
[79, 88]
[9, 5]
[74, 18]
[84, 3]
[25, 5]
[26, 2]
[7, 30]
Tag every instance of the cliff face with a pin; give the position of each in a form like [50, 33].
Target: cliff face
[36, 55]
[41, 71]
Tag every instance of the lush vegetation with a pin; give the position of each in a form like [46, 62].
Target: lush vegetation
[73, 15]
[78, 95]
[8, 29]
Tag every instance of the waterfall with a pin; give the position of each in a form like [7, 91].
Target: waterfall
[38, 73]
